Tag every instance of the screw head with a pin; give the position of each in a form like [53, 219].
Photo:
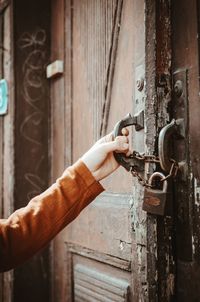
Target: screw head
[140, 84]
[178, 88]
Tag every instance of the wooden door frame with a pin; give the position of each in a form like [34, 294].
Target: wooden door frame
[160, 231]
[7, 134]
[164, 248]
[61, 128]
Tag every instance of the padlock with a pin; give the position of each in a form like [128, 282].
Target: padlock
[155, 199]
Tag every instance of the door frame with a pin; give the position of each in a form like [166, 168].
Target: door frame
[7, 133]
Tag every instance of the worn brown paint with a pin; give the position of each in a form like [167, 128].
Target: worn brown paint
[186, 68]
[7, 133]
[31, 37]
[60, 130]
[103, 232]
[150, 61]
[160, 260]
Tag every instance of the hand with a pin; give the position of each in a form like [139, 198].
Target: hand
[100, 159]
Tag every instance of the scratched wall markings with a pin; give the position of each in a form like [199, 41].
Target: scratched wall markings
[33, 46]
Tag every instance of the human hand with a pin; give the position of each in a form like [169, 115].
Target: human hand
[100, 159]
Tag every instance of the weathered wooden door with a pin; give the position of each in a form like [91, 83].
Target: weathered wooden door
[173, 86]
[186, 101]
[101, 255]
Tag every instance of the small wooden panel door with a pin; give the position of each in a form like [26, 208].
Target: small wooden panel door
[98, 257]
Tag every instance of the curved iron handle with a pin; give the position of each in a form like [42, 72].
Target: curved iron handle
[175, 127]
[129, 120]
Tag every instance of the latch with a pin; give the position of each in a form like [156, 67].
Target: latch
[135, 163]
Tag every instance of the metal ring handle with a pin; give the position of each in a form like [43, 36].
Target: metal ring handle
[175, 127]
[129, 120]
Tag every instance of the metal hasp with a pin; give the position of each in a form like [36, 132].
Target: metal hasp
[3, 97]
[129, 120]
[175, 128]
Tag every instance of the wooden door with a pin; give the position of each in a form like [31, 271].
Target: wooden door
[101, 256]
[185, 67]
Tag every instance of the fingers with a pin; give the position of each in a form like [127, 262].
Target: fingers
[129, 153]
[125, 131]
[110, 137]
[120, 144]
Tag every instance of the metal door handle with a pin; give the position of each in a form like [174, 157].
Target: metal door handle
[176, 127]
[129, 120]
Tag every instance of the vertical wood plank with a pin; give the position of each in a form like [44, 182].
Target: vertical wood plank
[158, 78]
[1, 147]
[68, 79]
[185, 67]
[165, 226]
[150, 61]
[8, 136]
[32, 45]
[58, 128]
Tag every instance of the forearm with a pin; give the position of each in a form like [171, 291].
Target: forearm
[29, 229]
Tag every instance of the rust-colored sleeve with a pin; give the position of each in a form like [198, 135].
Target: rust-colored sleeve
[30, 228]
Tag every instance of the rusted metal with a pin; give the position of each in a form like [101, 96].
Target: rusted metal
[178, 88]
[154, 198]
[140, 84]
[174, 129]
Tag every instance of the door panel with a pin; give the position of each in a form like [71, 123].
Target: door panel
[104, 54]
[104, 227]
[93, 34]
[97, 282]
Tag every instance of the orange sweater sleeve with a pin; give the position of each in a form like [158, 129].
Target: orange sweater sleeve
[30, 228]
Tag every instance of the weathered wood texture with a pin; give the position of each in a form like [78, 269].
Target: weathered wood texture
[151, 99]
[32, 45]
[60, 131]
[185, 63]
[165, 227]
[1, 147]
[160, 259]
[104, 49]
[92, 284]
[7, 134]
